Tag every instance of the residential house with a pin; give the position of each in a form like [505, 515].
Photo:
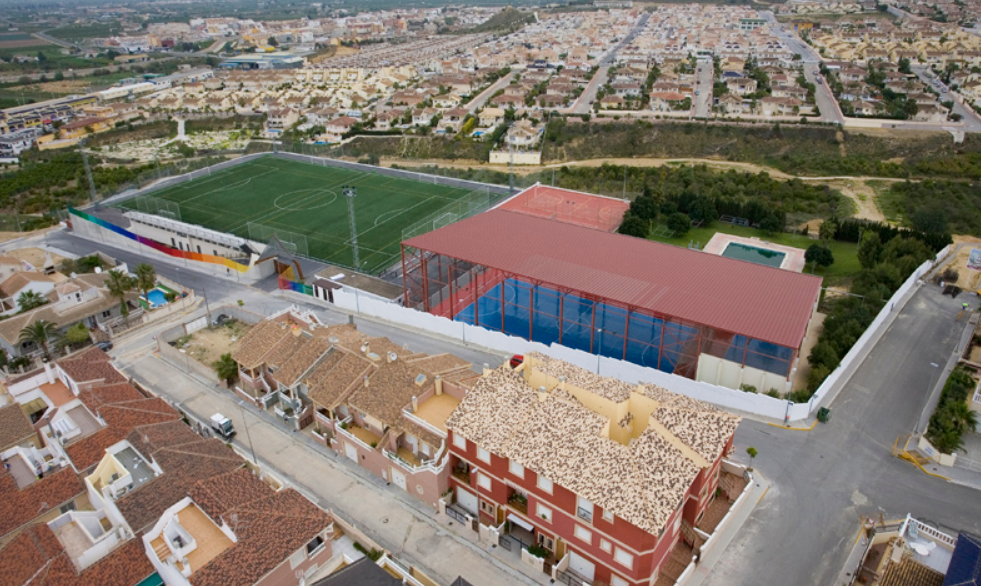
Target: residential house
[667, 101]
[281, 119]
[338, 127]
[733, 104]
[84, 299]
[741, 86]
[605, 475]
[453, 119]
[12, 144]
[80, 128]
[490, 117]
[370, 400]
[523, 135]
[233, 528]
[771, 106]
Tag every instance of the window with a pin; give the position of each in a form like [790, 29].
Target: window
[459, 441]
[546, 541]
[544, 512]
[315, 545]
[483, 454]
[618, 581]
[606, 546]
[607, 516]
[584, 534]
[483, 481]
[516, 469]
[623, 558]
[107, 314]
[584, 509]
[487, 507]
[199, 249]
[545, 484]
[67, 507]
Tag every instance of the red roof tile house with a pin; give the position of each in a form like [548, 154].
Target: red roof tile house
[375, 402]
[235, 529]
[606, 476]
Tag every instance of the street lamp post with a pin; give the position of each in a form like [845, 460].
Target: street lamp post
[350, 193]
[241, 405]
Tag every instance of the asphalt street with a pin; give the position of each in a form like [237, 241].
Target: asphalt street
[825, 480]
[822, 481]
[970, 119]
[703, 86]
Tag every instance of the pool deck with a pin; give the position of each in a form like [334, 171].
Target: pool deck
[793, 259]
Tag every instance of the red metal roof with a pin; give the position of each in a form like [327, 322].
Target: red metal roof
[766, 303]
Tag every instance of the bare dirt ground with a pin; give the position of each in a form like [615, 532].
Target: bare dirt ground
[207, 345]
[34, 256]
[863, 196]
[967, 279]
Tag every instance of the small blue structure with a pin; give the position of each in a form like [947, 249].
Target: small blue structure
[965, 562]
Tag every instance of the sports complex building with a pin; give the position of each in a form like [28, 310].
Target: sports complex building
[545, 266]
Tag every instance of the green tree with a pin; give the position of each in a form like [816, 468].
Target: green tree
[819, 254]
[869, 249]
[119, 284]
[828, 229]
[932, 220]
[752, 454]
[227, 368]
[633, 225]
[28, 300]
[272, 42]
[771, 223]
[77, 334]
[679, 223]
[146, 278]
[41, 333]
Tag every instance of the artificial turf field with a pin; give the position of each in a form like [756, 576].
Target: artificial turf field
[306, 199]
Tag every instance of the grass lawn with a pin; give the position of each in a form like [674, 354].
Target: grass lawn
[306, 199]
[889, 202]
[845, 253]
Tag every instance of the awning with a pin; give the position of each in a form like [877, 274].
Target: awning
[520, 522]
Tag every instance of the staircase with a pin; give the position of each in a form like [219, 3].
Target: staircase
[160, 548]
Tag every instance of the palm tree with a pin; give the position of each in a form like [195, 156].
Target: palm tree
[119, 284]
[226, 367]
[961, 417]
[28, 300]
[42, 333]
[146, 279]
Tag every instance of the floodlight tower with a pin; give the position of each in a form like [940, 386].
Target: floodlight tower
[350, 193]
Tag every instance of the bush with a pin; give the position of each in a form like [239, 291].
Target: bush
[747, 388]
[952, 416]
[679, 223]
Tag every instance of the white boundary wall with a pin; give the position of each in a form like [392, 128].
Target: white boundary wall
[758, 404]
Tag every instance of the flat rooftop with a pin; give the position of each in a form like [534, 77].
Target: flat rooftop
[437, 409]
[136, 466]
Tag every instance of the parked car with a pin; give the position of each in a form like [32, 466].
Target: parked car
[220, 320]
[104, 346]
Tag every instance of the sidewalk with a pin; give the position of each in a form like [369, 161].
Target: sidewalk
[397, 521]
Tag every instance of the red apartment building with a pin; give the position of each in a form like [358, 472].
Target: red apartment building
[605, 475]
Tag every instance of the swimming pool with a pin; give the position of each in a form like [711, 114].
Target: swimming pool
[760, 256]
[157, 298]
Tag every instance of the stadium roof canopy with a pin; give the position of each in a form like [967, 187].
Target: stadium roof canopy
[765, 303]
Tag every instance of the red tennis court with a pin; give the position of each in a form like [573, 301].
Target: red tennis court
[570, 207]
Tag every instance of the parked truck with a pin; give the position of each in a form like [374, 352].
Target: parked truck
[222, 426]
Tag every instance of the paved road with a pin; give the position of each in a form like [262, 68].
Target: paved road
[478, 102]
[825, 100]
[703, 87]
[824, 480]
[970, 118]
[585, 102]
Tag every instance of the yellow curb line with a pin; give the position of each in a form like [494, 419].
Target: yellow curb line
[766, 490]
[787, 427]
[920, 466]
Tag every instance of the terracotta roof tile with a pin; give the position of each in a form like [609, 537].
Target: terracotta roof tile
[15, 427]
[331, 386]
[91, 365]
[183, 465]
[268, 531]
[219, 494]
[36, 553]
[20, 506]
[260, 339]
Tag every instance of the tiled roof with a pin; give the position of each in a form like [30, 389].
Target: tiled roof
[642, 481]
[121, 418]
[36, 557]
[91, 365]
[391, 388]
[18, 507]
[219, 494]
[14, 426]
[302, 359]
[910, 572]
[260, 339]
[327, 387]
[183, 465]
[442, 363]
[287, 346]
[268, 532]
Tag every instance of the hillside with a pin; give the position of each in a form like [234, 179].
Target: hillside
[509, 19]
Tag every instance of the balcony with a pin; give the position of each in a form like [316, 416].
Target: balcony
[518, 502]
[462, 473]
[363, 435]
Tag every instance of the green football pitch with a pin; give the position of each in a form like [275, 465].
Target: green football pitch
[274, 195]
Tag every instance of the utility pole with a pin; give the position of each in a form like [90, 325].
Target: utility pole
[350, 193]
[88, 174]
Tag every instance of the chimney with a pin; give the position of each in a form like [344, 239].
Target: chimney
[49, 372]
[366, 381]
[562, 382]
[392, 357]
[415, 404]
[487, 369]
[542, 393]
[439, 385]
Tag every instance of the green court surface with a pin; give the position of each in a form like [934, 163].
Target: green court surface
[284, 196]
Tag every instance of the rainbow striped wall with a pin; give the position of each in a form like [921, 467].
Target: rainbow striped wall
[168, 250]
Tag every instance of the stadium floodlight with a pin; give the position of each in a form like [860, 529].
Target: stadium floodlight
[350, 193]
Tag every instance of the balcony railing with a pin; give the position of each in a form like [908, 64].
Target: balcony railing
[584, 514]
